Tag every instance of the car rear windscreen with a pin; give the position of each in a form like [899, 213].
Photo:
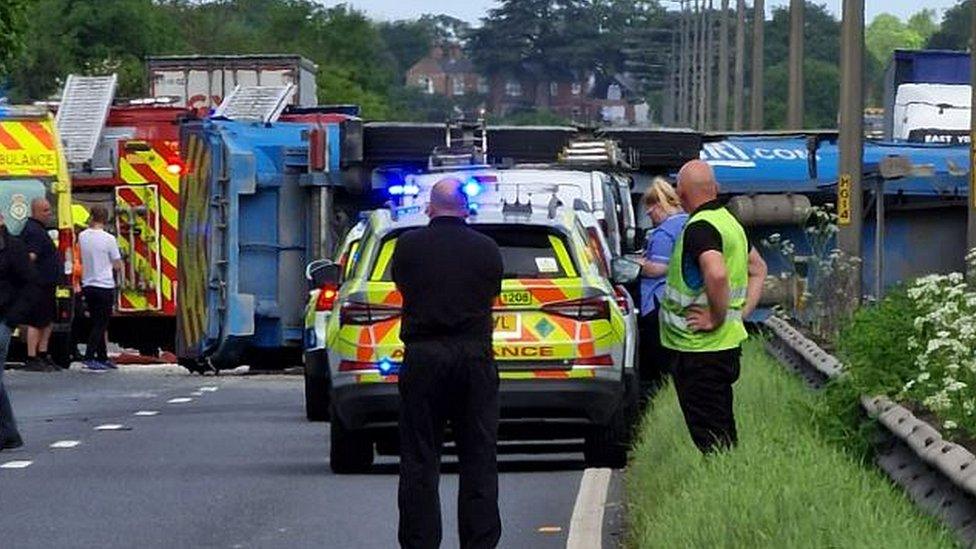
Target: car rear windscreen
[527, 252]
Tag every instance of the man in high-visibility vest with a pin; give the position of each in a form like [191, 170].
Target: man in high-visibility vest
[714, 280]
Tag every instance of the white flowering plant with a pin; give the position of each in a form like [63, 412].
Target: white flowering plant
[943, 345]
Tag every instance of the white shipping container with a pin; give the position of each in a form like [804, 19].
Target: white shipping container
[202, 82]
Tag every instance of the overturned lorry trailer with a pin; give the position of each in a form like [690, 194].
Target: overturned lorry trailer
[261, 200]
[775, 178]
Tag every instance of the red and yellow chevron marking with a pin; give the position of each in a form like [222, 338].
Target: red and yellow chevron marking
[191, 290]
[153, 167]
[139, 245]
[28, 148]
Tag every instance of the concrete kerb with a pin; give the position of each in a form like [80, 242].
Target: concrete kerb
[938, 475]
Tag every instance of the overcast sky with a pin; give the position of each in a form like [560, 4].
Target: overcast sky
[473, 10]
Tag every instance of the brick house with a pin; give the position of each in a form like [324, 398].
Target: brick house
[446, 71]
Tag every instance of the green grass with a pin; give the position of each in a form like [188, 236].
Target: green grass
[784, 486]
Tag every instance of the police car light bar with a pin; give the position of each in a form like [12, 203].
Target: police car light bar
[404, 190]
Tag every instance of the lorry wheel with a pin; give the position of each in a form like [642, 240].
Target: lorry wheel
[350, 452]
[606, 445]
[316, 398]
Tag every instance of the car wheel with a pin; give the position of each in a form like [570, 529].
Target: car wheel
[350, 452]
[606, 445]
[316, 398]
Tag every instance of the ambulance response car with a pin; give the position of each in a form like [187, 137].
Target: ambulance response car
[559, 337]
[33, 165]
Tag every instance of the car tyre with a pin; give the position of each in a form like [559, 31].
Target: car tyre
[316, 398]
[607, 445]
[350, 452]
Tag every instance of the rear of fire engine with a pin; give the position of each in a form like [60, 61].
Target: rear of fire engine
[32, 165]
[134, 172]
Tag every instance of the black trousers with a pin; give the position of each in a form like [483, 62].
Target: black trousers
[456, 382]
[703, 382]
[99, 302]
[654, 359]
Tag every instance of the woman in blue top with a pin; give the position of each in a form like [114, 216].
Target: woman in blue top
[662, 205]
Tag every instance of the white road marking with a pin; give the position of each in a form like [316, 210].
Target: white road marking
[179, 400]
[16, 464]
[112, 427]
[586, 526]
[65, 444]
[146, 413]
[210, 389]
[549, 529]
[196, 394]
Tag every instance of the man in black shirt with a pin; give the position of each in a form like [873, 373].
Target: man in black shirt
[16, 275]
[449, 276]
[44, 255]
[703, 377]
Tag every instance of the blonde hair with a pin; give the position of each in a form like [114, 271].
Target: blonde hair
[661, 192]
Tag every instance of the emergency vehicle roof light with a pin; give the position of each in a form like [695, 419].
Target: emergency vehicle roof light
[472, 188]
[22, 111]
[408, 189]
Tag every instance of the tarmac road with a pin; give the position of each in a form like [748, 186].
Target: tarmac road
[236, 465]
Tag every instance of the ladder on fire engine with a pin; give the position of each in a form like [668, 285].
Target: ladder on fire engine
[82, 114]
[261, 103]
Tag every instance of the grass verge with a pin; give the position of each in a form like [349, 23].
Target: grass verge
[784, 486]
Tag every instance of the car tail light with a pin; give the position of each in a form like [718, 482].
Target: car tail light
[622, 298]
[327, 297]
[599, 360]
[588, 308]
[353, 312]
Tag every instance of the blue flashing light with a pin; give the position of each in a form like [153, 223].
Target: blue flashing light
[396, 190]
[472, 188]
[385, 366]
[411, 189]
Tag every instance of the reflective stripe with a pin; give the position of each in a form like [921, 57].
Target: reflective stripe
[681, 322]
[684, 301]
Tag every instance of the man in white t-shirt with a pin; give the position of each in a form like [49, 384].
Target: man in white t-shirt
[100, 260]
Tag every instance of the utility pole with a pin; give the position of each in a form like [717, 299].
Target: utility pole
[794, 110]
[709, 66]
[671, 107]
[684, 100]
[971, 229]
[695, 66]
[702, 78]
[722, 120]
[738, 91]
[849, 195]
[758, 23]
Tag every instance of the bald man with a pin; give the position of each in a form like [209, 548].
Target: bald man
[449, 276]
[714, 280]
[44, 256]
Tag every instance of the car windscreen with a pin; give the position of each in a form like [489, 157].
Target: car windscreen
[528, 251]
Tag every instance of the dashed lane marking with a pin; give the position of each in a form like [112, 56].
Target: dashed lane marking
[65, 444]
[549, 529]
[146, 413]
[209, 389]
[22, 464]
[179, 400]
[196, 394]
[113, 427]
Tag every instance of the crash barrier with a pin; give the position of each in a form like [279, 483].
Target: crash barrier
[938, 475]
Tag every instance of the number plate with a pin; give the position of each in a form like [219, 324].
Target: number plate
[508, 326]
[516, 297]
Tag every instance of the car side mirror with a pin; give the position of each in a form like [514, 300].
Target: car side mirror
[321, 272]
[624, 270]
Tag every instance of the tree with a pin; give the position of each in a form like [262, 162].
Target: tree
[924, 23]
[821, 35]
[13, 24]
[886, 34]
[954, 33]
[821, 83]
